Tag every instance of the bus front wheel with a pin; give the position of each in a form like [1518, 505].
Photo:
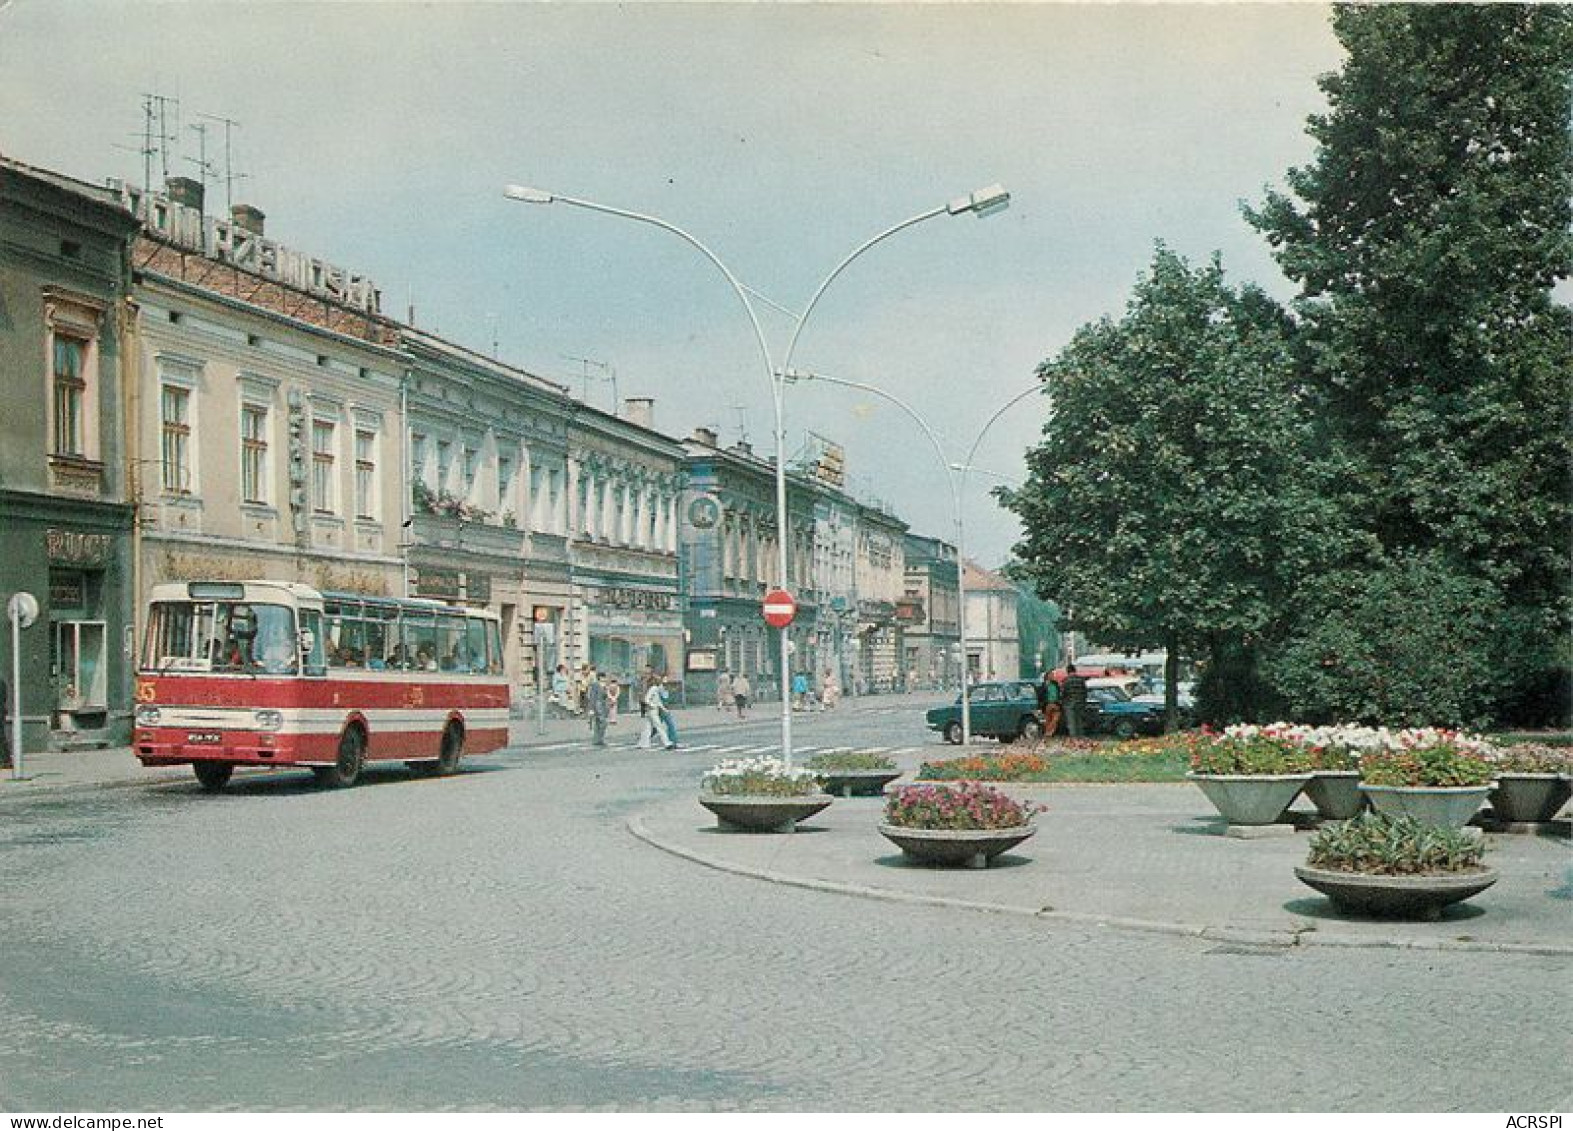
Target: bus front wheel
[452, 749]
[346, 771]
[213, 776]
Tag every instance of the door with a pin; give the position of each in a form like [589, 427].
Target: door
[81, 681]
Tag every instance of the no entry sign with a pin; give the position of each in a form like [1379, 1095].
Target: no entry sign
[780, 608]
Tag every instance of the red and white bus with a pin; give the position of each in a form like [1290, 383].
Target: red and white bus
[272, 673]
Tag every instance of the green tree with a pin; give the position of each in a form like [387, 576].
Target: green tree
[1426, 238]
[1172, 501]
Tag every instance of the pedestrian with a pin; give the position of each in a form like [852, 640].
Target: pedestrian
[560, 689]
[1049, 704]
[654, 726]
[596, 708]
[668, 720]
[723, 693]
[799, 691]
[647, 724]
[741, 690]
[832, 690]
[1073, 696]
[614, 694]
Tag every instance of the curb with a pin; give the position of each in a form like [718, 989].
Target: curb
[1305, 937]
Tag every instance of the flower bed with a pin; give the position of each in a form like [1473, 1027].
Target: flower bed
[1433, 758]
[1248, 751]
[1534, 758]
[759, 777]
[1009, 766]
[966, 805]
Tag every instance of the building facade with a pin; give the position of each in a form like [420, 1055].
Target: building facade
[625, 483]
[486, 460]
[993, 645]
[933, 634]
[879, 567]
[66, 515]
[730, 559]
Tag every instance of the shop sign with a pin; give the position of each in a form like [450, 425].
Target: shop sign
[77, 548]
[624, 597]
[66, 591]
[702, 660]
[439, 583]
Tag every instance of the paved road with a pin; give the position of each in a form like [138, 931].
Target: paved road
[499, 940]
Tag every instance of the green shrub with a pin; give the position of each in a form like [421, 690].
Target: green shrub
[1374, 844]
[850, 760]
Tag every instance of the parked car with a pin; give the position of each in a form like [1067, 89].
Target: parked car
[1152, 692]
[1005, 710]
[1112, 709]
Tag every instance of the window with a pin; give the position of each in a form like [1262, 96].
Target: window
[504, 483]
[444, 461]
[365, 473]
[322, 496]
[176, 412]
[467, 455]
[254, 453]
[70, 388]
[418, 456]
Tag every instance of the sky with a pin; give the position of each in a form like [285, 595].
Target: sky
[379, 137]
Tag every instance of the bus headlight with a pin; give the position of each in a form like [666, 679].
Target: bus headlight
[147, 716]
[269, 720]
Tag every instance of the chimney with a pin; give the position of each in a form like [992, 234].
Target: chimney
[248, 218]
[184, 190]
[706, 436]
[640, 411]
[743, 447]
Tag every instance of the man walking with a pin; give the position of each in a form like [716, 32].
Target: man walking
[597, 703]
[741, 690]
[1074, 697]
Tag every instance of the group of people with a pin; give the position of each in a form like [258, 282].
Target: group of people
[596, 695]
[807, 697]
[1067, 700]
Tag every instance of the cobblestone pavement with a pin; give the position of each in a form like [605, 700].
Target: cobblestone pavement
[499, 940]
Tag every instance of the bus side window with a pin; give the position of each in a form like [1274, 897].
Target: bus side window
[316, 661]
[475, 643]
[451, 655]
[420, 641]
[376, 638]
[494, 656]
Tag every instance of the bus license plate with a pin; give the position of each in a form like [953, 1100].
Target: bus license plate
[205, 737]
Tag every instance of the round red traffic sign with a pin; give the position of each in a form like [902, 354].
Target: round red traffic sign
[780, 608]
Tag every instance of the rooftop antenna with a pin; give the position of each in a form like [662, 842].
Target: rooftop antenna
[230, 176]
[491, 320]
[742, 421]
[608, 373]
[204, 166]
[159, 106]
[147, 148]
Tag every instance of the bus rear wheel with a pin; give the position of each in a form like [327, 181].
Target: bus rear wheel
[346, 771]
[213, 776]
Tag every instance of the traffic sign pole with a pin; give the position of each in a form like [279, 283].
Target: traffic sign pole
[779, 608]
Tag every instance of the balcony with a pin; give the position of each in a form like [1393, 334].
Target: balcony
[463, 536]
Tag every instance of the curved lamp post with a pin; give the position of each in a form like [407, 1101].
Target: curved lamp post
[984, 202]
[956, 476]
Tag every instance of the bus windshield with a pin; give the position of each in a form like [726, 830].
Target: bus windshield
[221, 636]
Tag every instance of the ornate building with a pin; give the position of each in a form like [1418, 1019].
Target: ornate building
[66, 517]
[624, 486]
[933, 632]
[728, 533]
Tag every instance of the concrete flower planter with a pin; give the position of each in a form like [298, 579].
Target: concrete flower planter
[971, 848]
[763, 813]
[1529, 797]
[1450, 806]
[856, 783]
[1251, 799]
[1336, 794]
[1403, 897]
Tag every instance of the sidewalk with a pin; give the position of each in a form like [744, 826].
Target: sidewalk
[1137, 857]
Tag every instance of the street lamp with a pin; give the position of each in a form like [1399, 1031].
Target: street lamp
[984, 202]
[956, 476]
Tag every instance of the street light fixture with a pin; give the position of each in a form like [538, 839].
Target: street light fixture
[984, 202]
[956, 476]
